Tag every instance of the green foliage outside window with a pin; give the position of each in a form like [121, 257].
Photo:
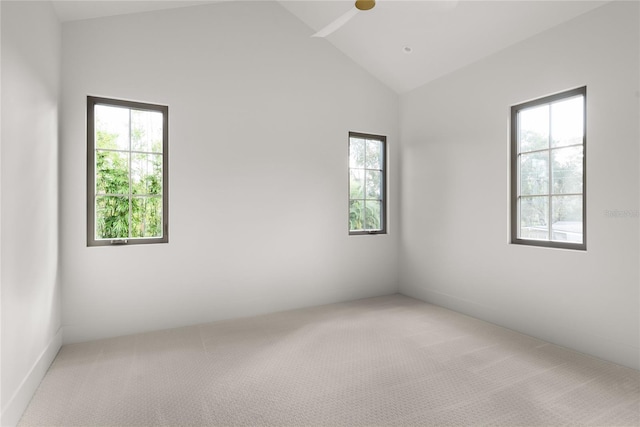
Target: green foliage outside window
[128, 187]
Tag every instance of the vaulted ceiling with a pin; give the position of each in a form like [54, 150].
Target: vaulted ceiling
[404, 43]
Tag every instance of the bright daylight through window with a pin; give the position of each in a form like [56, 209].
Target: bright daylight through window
[367, 184]
[126, 172]
[548, 158]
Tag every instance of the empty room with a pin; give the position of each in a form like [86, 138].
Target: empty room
[320, 213]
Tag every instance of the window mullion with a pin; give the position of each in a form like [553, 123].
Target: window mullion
[364, 190]
[550, 173]
[130, 180]
[518, 183]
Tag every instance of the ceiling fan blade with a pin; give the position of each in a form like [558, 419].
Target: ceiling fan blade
[339, 22]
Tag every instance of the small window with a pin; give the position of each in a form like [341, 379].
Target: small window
[127, 200]
[367, 183]
[548, 169]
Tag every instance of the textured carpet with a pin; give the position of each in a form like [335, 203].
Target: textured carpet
[380, 361]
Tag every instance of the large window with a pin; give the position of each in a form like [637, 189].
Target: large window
[126, 172]
[367, 183]
[548, 159]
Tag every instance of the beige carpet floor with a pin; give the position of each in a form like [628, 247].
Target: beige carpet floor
[381, 361]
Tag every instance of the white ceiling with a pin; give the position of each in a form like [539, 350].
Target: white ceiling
[443, 35]
[75, 10]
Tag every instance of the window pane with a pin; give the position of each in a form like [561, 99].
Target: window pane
[146, 131]
[146, 217]
[548, 163]
[567, 218]
[356, 184]
[111, 127]
[534, 214]
[112, 172]
[534, 173]
[372, 215]
[567, 122]
[374, 185]
[146, 173]
[366, 183]
[112, 217]
[128, 168]
[356, 215]
[567, 170]
[534, 128]
[374, 154]
[356, 152]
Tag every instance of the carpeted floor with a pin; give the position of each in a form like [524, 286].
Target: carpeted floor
[381, 361]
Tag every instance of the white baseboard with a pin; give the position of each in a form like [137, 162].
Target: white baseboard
[14, 409]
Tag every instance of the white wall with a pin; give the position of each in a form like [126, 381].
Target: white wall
[29, 289]
[259, 117]
[454, 245]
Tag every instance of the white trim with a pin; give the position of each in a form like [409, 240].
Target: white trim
[14, 409]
